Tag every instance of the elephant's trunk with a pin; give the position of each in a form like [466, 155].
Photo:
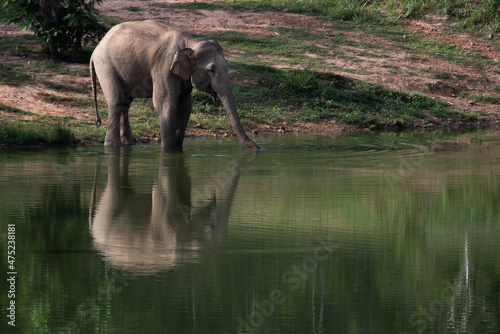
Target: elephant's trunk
[229, 104]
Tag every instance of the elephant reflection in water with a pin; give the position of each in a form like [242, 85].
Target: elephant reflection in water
[154, 231]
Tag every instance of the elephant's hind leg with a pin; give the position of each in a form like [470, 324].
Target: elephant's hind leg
[118, 127]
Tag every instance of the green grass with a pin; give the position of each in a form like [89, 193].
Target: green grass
[13, 75]
[441, 75]
[32, 133]
[279, 48]
[193, 5]
[415, 43]
[20, 44]
[308, 95]
[19, 127]
[268, 45]
[78, 102]
[331, 9]
[450, 52]
[485, 99]
[472, 15]
[14, 110]
[468, 14]
[302, 42]
[133, 9]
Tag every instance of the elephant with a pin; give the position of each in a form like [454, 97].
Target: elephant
[148, 59]
[151, 227]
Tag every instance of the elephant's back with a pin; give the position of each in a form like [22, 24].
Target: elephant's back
[132, 44]
[145, 30]
[138, 38]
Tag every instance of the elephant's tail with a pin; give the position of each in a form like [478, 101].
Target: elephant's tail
[93, 77]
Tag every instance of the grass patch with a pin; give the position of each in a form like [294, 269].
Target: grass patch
[414, 42]
[133, 9]
[331, 9]
[441, 75]
[273, 46]
[306, 95]
[469, 14]
[268, 45]
[78, 102]
[44, 129]
[31, 133]
[144, 119]
[193, 5]
[20, 44]
[14, 75]
[485, 99]
[302, 41]
[450, 52]
[479, 98]
[473, 15]
[14, 110]
[302, 33]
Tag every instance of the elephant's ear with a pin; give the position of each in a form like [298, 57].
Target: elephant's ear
[183, 64]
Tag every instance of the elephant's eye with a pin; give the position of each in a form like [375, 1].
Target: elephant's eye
[211, 68]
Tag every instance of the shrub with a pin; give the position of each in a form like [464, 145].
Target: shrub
[61, 24]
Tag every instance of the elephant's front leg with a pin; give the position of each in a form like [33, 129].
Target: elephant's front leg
[183, 114]
[167, 112]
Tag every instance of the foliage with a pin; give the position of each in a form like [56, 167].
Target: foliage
[61, 24]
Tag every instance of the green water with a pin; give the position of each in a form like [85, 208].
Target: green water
[362, 233]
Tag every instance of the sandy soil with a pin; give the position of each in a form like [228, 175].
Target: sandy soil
[390, 65]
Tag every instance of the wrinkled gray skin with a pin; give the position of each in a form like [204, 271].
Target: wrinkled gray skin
[149, 59]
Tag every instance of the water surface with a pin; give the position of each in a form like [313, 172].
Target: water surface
[358, 233]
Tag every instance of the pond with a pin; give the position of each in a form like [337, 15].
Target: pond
[350, 233]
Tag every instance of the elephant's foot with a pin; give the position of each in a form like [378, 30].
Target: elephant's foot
[112, 142]
[126, 137]
[127, 141]
[119, 141]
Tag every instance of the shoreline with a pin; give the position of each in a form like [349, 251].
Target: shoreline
[278, 131]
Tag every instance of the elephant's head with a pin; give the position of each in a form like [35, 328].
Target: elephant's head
[207, 68]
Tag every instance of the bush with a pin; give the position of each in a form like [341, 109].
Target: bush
[61, 24]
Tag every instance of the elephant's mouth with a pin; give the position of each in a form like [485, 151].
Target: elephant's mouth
[213, 93]
[215, 98]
